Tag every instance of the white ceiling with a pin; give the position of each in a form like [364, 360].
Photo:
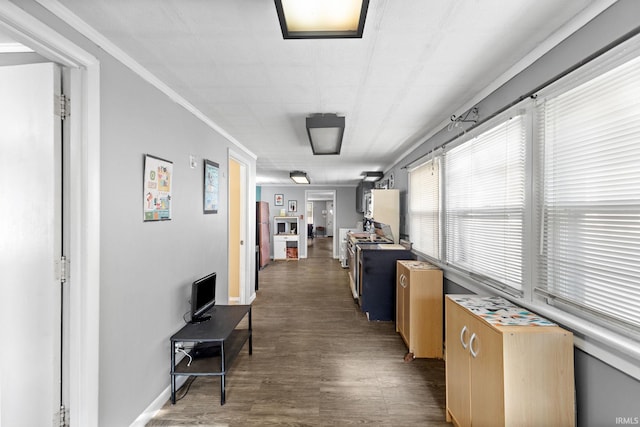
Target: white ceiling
[418, 63]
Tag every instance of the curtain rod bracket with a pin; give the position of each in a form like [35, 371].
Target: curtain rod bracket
[464, 118]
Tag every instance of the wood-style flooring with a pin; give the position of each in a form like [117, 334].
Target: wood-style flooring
[316, 361]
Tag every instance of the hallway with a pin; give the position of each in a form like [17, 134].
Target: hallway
[316, 361]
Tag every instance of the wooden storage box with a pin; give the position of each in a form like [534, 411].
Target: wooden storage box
[506, 366]
[419, 316]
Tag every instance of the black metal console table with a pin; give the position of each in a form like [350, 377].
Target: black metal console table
[219, 330]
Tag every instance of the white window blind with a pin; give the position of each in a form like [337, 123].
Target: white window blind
[485, 196]
[424, 208]
[589, 253]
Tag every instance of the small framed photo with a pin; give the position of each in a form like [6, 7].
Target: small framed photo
[293, 205]
[278, 199]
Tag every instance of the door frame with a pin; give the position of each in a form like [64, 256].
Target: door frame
[247, 226]
[83, 225]
[308, 197]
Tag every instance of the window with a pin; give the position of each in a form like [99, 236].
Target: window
[424, 208]
[589, 196]
[545, 206]
[485, 196]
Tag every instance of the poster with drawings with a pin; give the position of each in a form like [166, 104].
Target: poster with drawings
[158, 175]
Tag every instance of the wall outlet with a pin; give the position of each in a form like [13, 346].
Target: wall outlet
[178, 346]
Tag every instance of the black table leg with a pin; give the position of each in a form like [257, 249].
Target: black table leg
[173, 377]
[222, 369]
[250, 334]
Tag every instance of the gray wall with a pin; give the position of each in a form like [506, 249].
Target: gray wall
[345, 207]
[602, 392]
[147, 268]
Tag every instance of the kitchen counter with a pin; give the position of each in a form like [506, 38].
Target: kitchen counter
[356, 241]
[382, 246]
[500, 312]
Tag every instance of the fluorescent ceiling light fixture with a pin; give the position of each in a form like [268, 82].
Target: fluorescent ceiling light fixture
[322, 19]
[325, 133]
[299, 177]
[372, 176]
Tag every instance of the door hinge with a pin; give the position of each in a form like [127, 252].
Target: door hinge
[62, 106]
[62, 416]
[62, 269]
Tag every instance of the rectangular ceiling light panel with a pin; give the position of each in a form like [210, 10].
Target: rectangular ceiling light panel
[372, 176]
[325, 133]
[326, 140]
[299, 177]
[319, 19]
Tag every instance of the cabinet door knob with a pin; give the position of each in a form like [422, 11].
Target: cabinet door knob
[462, 332]
[471, 341]
[403, 280]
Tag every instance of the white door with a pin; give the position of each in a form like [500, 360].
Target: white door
[30, 244]
[330, 219]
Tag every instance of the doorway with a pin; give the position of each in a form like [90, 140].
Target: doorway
[241, 231]
[237, 219]
[81, 231]
[324, 212]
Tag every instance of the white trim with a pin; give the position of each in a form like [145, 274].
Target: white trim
[29, 31]
[155, 406]
[336, 239]
[85, 204]
[104, 43]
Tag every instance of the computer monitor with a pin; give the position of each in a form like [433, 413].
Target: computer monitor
[203, 297]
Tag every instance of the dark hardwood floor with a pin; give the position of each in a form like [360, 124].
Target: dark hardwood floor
[316, 361]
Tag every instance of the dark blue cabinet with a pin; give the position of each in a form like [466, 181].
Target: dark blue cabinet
[378, 279]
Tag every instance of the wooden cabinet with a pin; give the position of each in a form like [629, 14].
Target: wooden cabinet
[286, 238]
[419, 307]
[384, 207]
[285, 247]
[506, 366]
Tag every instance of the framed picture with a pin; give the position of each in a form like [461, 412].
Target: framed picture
[211, 186]
[158, 175]
[293, 205]
[278, 199]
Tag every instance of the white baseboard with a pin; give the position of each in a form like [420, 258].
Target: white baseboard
[157, 404]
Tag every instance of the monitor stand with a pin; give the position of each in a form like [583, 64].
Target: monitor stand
[200, 319]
